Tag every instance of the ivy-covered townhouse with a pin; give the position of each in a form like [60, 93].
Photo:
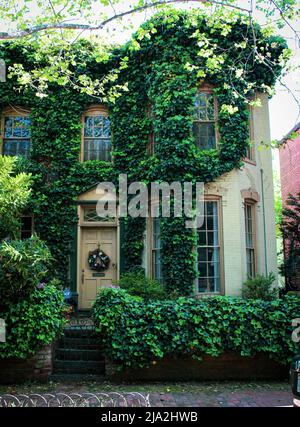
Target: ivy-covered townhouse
[186, 100]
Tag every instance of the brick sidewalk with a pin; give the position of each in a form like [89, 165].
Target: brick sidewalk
[228, 399]
[214, 394]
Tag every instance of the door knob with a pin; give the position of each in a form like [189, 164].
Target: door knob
[82, 277]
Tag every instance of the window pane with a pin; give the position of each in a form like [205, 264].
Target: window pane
[13, 147]
[204, 105]
[16, 140]
[97, 149]
[202, 238]
[205, 135]
[91, 215]
[202, 269]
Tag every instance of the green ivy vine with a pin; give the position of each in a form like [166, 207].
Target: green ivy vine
[162, 66]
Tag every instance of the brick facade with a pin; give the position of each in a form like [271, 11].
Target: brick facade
[289, 156]
[36, 368]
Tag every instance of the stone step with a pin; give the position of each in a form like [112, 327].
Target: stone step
[79, 343]
[77, 354]
[80, 332]
[79, 367]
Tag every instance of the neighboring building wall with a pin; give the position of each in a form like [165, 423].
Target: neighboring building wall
[289, 156]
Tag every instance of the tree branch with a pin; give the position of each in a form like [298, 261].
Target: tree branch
[90, 27]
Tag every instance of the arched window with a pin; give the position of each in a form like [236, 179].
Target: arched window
[96, 135]
[15, 131]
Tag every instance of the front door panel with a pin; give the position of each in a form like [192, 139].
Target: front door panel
[92, 281]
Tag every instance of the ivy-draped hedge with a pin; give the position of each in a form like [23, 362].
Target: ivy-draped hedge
[137, 333]
[162, 67]
[33, 322]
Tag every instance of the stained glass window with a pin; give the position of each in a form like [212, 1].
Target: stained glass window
[97, 138]
[16, 137]
[209, 246]
[204, 125]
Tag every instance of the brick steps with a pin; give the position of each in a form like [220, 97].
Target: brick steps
[78, 356]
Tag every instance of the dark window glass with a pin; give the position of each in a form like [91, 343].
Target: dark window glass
[26, 227]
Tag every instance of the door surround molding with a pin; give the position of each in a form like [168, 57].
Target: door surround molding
[89, 199]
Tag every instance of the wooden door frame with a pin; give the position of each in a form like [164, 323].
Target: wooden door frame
[82, 225]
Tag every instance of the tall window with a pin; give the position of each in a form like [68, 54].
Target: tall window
[156, 250]
[209, 250]
[250, 238]
[204, 125]
[16, 135]
[97, 136]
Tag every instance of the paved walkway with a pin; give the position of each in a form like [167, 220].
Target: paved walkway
[215, 394]
[240, 399]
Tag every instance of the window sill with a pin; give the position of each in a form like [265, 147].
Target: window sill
[249, 161]
[208, 294]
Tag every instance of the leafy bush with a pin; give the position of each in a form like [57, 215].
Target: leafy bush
[260, 287]
[14, 196]
[23, 265]
[33, 322]
[139, 285]
[137, 333]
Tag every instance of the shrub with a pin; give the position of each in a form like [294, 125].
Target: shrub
[33, 322]
[23, 265]
[137, 284]
[260, 287]
[136, 333]
[14, 196]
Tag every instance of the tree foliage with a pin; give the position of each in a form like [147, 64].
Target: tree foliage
[55, 25]
[24, 265]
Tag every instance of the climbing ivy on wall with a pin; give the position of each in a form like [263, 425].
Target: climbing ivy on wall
[161, 67]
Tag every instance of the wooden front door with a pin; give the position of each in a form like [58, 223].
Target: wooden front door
[93, 281]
